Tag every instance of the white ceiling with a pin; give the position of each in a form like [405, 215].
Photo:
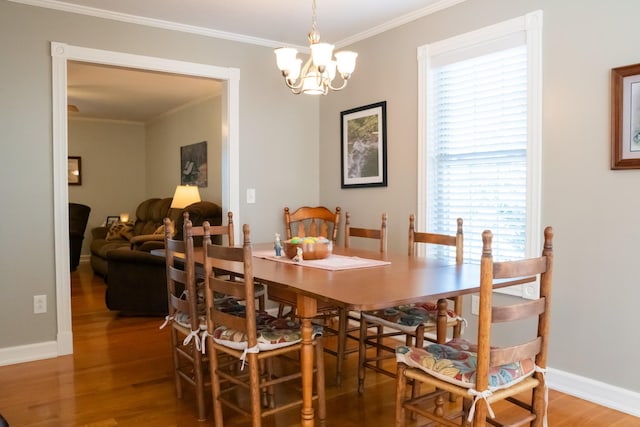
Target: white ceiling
[271, 23]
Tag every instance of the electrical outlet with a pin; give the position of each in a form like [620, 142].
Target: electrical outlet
[39, 304]
[475, 304]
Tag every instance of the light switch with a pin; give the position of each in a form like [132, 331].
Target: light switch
[251, 195]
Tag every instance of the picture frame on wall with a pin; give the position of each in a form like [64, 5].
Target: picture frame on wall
[363, 146]
[193, 164]
[625, 117]
[74, 170]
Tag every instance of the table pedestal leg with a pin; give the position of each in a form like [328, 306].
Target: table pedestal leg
[307, 309]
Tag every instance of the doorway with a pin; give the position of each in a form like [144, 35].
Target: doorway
[61, 53]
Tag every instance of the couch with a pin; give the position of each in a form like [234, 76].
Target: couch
[78, 218]
[136, 279]
[149, 217]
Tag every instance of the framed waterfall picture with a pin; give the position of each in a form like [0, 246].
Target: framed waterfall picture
[363, 153]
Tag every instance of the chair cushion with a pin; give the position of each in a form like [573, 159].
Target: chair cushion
[456, 361]
[272, 333]
[407, 317]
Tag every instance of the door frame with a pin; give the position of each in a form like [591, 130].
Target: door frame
[60, 54]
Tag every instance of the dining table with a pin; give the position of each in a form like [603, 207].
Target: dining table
[359, 280]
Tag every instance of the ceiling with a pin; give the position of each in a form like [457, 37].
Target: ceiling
[115, 93]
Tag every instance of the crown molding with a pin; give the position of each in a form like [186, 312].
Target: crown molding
[207, 32]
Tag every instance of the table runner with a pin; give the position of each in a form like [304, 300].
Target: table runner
[333, 262]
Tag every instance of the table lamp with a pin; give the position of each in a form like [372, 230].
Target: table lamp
[184, 196]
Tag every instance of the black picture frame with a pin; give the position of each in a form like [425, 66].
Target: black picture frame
[74, 170]
[193, 164]
[111, 219]
[363, 146]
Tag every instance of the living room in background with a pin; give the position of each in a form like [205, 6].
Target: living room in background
[480, 138]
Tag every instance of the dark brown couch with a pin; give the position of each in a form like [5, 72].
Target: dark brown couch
[136, 279]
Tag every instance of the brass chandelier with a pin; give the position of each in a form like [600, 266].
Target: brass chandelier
[317, 74]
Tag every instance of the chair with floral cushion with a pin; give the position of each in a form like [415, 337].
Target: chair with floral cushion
[412, 322]
[253, 338]
[349, 323]
[186, 313]
[487, 372]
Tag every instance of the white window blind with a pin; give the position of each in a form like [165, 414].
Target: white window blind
[480, 139]
[477, 154]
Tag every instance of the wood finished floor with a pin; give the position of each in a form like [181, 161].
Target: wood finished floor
[120, 375]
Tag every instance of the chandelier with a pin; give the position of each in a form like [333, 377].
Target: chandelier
[315, 77]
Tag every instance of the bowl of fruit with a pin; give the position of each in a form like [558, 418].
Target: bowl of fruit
[312, 247]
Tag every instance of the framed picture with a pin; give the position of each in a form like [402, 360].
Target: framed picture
[193, 164]
[363, 157]
[111, 219]
[625, 117]
[74, 170]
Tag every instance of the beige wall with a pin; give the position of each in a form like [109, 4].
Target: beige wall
[593, 209]
[275, 127]
[194, 123]
[113, 169]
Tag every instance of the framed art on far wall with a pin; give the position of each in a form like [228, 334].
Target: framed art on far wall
[625, 117]
[363, 146]
[193, 164]
[74, 170]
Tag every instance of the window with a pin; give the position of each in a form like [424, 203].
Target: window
[480, 138]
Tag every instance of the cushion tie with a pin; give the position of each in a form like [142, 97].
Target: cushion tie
[543, 371]
[205, 334]
[246, 351]
[463, 324]
[167, 319]
[479, 395]
[191, 335]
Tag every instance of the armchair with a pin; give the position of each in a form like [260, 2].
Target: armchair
[78, 218]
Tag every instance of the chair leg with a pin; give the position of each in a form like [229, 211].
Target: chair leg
[539, 402]
[320, 379]
[199, 380]
[254, 392]
[176, 361]
[362, 354]
[401, 385]
[342, 343]
[215, 384]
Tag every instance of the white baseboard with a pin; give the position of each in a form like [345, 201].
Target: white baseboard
[603, 394]
[28, 353]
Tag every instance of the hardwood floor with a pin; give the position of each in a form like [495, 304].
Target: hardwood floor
[120, 375]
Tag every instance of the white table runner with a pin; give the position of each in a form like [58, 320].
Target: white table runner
[333, 262]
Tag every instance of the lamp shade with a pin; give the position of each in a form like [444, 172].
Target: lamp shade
[184, 196]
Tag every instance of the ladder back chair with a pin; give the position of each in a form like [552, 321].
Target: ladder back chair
[344, 330]
[487, 372]
[245, 336]
[413, 322]
[184, 318]
[316, 221]
[187, 315]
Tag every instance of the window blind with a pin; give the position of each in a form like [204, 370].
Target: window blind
[477, 151]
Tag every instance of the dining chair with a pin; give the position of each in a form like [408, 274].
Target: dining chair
[316, 221]
[486, 372]
[184, 318]
[347, 323]
[187, 315]
[253, 340]
[411, 322]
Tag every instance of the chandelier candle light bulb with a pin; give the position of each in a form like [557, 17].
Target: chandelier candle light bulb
[315, 77]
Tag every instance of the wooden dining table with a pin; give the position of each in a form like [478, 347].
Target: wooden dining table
[403, 280]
